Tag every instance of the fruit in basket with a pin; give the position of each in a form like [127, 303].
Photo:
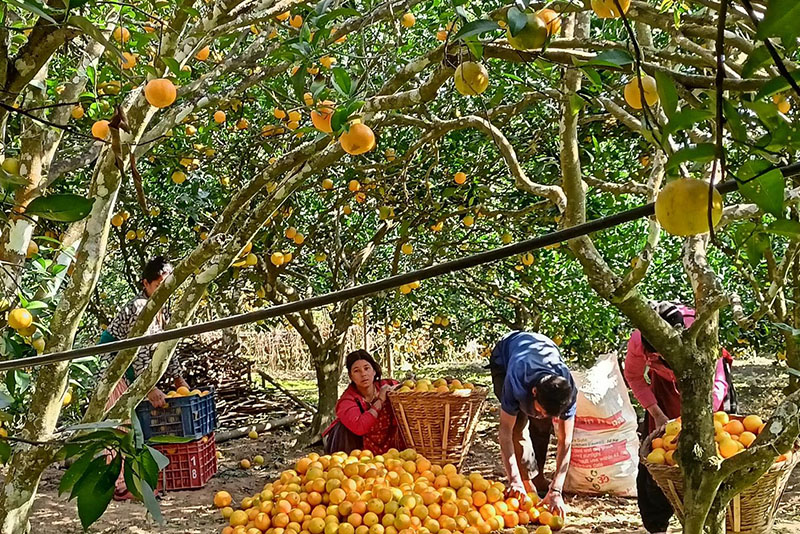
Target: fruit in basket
[385, 494]
[731, 434]
[183, 391]
[439, 385]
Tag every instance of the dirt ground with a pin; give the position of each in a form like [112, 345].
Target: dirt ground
[190, 512]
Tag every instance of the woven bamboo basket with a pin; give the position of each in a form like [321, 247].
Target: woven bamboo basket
[440, 426]
[750, 512]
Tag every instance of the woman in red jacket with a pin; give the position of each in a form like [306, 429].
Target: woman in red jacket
[364, 419]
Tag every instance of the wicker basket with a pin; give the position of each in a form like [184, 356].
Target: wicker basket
[440, 426]
[750, 512]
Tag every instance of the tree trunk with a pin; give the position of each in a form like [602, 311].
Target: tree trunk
[696, 445]
[328, 368]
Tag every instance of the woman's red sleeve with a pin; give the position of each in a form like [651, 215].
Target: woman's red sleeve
[349, 413]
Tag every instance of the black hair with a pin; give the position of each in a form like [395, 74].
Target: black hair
[555, 394]
[671, 314]
[156, 268]
[361, 354]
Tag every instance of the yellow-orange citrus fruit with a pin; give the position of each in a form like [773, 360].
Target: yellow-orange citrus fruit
[202, 54]
[682, 207]
[78, 112]
[222, 499]
[219, 116]
[100, 129]
[471, 78]
[359, 139]
[633, 93]
[607, 9]
[321, 117]
[128, 60]
[532, 36]
[408, 20]
[460, 178]
[121, 35]
[19, 318]
[551, 19]
[160, 92]
[752, 423]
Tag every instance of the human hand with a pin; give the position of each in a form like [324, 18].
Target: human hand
[555, 503]
[659, 417]
[157, 398]
[516, 490]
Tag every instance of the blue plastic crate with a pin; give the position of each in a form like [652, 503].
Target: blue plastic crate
[193, 416]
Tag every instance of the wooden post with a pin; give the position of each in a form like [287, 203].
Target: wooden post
[364, 321]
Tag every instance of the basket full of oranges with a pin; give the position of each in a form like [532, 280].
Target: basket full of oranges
[438, 418]
[750, 512]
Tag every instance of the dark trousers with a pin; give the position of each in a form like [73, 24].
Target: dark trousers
[530, 451]
[654, 507]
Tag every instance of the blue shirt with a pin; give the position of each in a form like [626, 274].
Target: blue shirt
[527, 359]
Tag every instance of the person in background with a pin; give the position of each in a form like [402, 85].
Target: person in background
[536, 390]
[364, 419]
[155, 271]
[654, 385]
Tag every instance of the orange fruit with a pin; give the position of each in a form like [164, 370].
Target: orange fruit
[752, 423]
[100, 129]
[545, 518]
[222, 499]
[633, 93]
[321, 117]
[551, 19]
[747, 438]
[734, 427]
[607, 9]
[728, 448]
[239, 517]
[160, 92]
[359, 139]
[203, 53]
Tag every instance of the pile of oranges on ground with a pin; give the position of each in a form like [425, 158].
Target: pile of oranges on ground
[395, 493]
[183, 391]
[733, 435]
[440, 386]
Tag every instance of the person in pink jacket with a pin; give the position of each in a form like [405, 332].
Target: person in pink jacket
[654, 385]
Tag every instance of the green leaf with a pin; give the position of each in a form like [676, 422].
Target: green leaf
[702, 153]
[172, 64]
[685, 118]
[322, 6]
[5, 451]
[667, 94]
[150, 466]
[786, 328]
[785, 227]
[476, 27]
[475, 47]
[132, 479]
[161, 461]
[93, 501]
[76, 470]
[576, 103]
[766, 191]
[298, 83]
[95, 33]
[782, 20]
[34, 7]
[170, 439]
[151, 503]
[734, 121]
[593, 76]
[339, 119]
[341, 81]
[517, 20]
[755, 60]
[777, 84]
[94, 426]
[136, 430]
[92, 473]
[63, 207]
[337, 13]
[11, 180]
[611, 58]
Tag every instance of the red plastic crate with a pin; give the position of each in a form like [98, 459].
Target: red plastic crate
[191, 464]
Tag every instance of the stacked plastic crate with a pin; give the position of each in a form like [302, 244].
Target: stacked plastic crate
[191, 464]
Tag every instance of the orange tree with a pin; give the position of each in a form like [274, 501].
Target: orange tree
[496, 78]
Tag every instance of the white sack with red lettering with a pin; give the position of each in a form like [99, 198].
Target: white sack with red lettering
[605, 446]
